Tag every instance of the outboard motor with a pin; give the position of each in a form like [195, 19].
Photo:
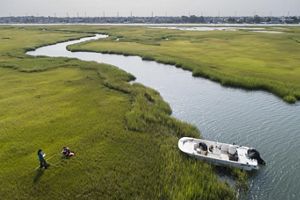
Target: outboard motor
[254, 154]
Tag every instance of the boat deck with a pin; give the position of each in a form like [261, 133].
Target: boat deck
[217, 151]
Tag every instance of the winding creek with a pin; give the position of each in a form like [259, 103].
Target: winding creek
[255, 118]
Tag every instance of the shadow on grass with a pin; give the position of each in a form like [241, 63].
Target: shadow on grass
[39, 173]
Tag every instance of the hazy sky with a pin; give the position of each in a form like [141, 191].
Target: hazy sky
[145, 7]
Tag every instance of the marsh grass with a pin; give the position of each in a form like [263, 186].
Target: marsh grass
[124, 138]
[253, 61]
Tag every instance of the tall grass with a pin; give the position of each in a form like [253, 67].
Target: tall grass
[123, 136]
[254, 61]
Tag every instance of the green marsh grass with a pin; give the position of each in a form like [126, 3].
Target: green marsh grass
[249, 60]
[123, 136]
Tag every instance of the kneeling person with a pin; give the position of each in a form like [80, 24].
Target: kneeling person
[67, 152]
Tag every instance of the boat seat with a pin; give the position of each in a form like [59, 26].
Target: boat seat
[224, 148]
[200, 151]
[196, 146]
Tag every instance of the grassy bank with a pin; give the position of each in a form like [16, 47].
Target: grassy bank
[124, 138]
[250, 60]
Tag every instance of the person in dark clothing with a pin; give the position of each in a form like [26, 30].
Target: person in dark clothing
[41, 156]
[67, 153]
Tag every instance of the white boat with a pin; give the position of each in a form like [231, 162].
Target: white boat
[221, 154]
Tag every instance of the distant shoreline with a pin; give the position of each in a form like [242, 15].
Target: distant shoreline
[148, 24]
[192, 19]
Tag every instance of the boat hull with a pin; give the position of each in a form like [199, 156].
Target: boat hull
[187, 145]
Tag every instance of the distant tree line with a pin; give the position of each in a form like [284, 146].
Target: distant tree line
[154, 20]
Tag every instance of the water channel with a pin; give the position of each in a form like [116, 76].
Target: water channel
[251, 118]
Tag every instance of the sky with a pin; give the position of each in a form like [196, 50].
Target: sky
[72, 8]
